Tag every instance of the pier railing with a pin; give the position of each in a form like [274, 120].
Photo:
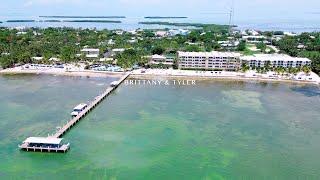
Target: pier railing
[98, 99]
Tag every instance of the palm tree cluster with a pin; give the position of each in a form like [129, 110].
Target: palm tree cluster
[279, 70]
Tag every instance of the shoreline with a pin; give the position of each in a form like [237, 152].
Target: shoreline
[153, 75]
[83, 73]
[222, 78]
[222, 75]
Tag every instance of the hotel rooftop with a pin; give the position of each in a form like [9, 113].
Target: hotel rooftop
[208, 54]
[273, 57]
[90, 50]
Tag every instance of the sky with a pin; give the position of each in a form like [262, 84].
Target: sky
[244, 9]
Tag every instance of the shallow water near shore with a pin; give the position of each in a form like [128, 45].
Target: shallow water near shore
[214, 130]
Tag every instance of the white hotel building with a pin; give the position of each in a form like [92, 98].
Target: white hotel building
[229, 61]
[276, 60]
[90, 52]
[214, 60]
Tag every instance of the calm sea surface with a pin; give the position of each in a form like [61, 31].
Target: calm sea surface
[214, 130]
[307, 24]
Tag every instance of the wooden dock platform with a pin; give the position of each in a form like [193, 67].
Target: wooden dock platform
[62, 149]
[65, 128]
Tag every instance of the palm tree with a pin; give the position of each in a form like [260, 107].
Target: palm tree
[282, 70]
[244, 67]
[278, 70]
[295, 71]
[306, 69]
[267, 66]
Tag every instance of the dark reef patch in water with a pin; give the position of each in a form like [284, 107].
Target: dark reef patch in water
[309, 91]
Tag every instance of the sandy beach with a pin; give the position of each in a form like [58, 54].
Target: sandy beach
[208, 75]
[61, 72]
[170, 73]
[220, 78]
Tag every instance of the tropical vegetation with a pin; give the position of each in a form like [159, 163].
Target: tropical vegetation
[19, 46]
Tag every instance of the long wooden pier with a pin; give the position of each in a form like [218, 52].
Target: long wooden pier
[64, 148]
[90, 107]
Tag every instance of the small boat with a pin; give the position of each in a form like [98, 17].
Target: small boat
[80, 107]
[114, 84]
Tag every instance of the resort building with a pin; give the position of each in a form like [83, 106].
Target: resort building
[132, 41]
[214, 60]
[37, 58]
[160, 59]
[255, 39]
[117, 51]
[275, 60]
[91, 53]
[133, 32]
[111, 42]
[290, 34]
[21, 33]
[174, 32]
[5, 54]
[161, 33]
[54, 59]
[229, 45]
[251, 32]
[119, 32]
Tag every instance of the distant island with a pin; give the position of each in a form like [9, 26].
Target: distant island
[12, 21]
[53, 20]
[212, 27]
[92, 21]
[165, 17]
[93, 17]
[173, 24]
